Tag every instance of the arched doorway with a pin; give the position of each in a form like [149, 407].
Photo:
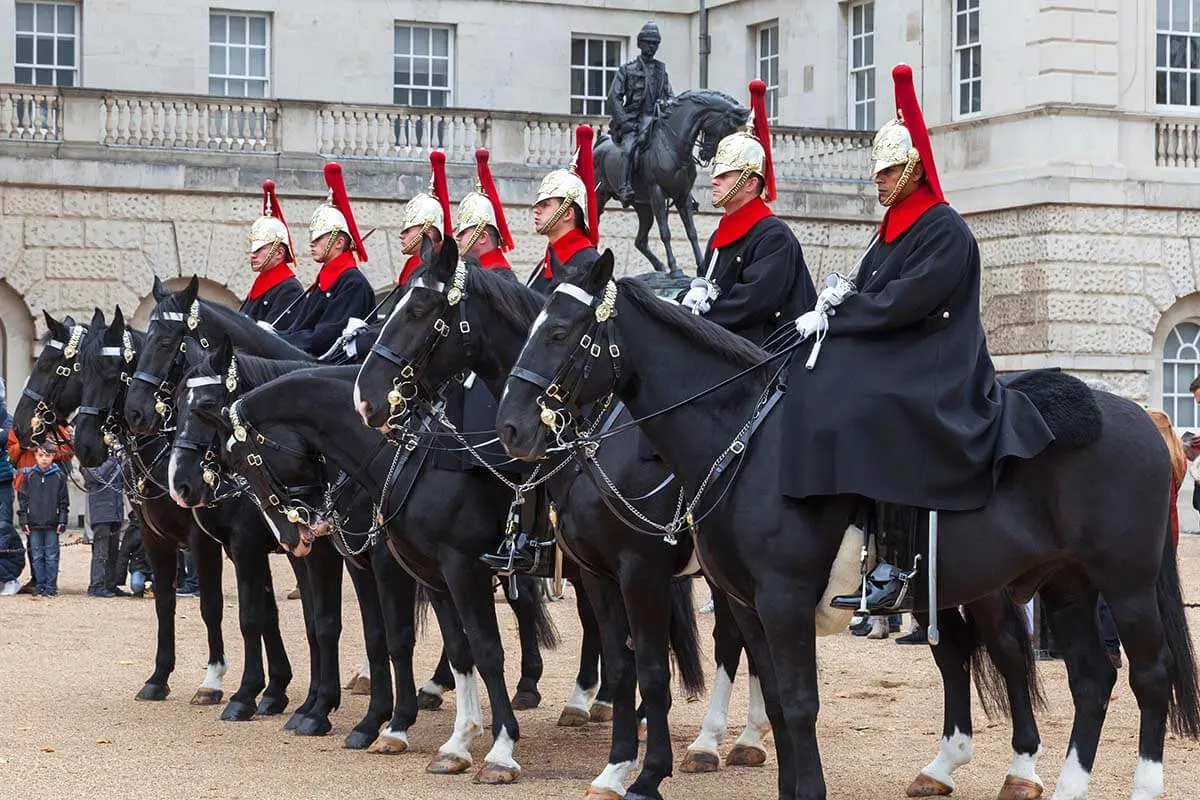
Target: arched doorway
[17, 340]
[209, 290]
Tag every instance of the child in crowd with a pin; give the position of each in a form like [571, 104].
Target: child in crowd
[43, 506]
[12, 558]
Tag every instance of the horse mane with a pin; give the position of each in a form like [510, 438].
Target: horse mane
[513, 301]
[703, 97]
[238, 324]
[736, 349]
[254, 371]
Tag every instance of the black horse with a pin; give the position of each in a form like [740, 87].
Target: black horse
[667, 172]
[1091, 511]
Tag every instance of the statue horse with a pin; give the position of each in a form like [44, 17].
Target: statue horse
[667, 166]
[1087, 517]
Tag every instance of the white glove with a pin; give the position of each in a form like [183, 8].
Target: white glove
[694, 296]
[838, 288]
[811, 322]
[266, 326]
[353, 325]
[351, 347]
[830, 298]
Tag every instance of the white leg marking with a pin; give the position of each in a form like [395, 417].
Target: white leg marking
[501, 753]
[1073, 782]
[614, 776]
[400, 736]
[757, 723]
[468, 718]
[952, 754]
[1024, 766]
[432, 687]
[844, 578]
[1148, 781]
[712, 730]
[582, 698]
[213, 675]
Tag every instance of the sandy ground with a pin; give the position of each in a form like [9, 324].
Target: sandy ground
[69, 727]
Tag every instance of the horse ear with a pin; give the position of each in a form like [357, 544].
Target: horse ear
[97, 319]
[599, 274]
[223, 356]
[213, 419]
[191, 291]
[118, 320]
[447, 260]
[160, 291]
[427, 254]
[57, 329]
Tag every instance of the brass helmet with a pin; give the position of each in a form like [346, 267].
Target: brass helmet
[270, 228]
[429, 210]
[335, 213]
[905, 139]
[748, 152]
[482, 208]
[575, 184]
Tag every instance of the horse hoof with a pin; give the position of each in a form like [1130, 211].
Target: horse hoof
[925, 786]
[640, 796]
[596, 793]
[697, 762]
[314, 726]
[361, 685]
[600, 712]
[572, 717]
[237, 711]
[497, 774]
[525, 701]
[446, 764]
[207, 697]
[1019, 789]
[743, 756]
[294, 721]
[358, 739]
[272, 706]
[154, 691]
[388, 746]
[428, 702]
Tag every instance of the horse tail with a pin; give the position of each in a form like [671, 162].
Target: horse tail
[685, 637]
[990, 684]
[1183, 707]
[543, 625]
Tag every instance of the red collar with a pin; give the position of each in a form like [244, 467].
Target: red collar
[899, 218]
[494, 259]
[409, 268]
[266, 281]
[565, 248]
[737, 224]
[333, 269]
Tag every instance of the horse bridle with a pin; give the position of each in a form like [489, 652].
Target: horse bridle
[212, 472]
[164, 388]
[44, 416]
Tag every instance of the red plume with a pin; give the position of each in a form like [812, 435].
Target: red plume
[914, 120]
[584, 136]
[437, 160]
[489, 190]
[337, 186]
[762, 132]
[271, 208]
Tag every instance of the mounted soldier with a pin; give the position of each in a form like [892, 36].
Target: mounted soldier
[566, 213]
[904, 408]
[481, 229]
[426, 217]
[753, 275]
[272, 257]
[633, 98]
[340, 290]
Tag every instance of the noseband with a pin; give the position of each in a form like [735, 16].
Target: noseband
[44, 416]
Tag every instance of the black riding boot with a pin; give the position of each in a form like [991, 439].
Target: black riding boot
[625, 193]
[515, 555]
[887, 591]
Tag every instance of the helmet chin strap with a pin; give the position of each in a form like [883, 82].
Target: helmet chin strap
[738, 185]
[905, 176]
[409, 249]
[563, 205]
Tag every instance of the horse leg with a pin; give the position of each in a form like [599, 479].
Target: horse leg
[454, 757]
[374, 637]
[325, 568]
[703, 755]
[577, 711]
[683, 204]
[622, 677]
[1070, 603]
[535, 630]
[750, 750]
[658, 204]
[301, 568]
[432, 693]
[164, 561]
[279, 667]
[212, 610]
[642, 240]
[470, 583]
[398, 594]
[250, 568]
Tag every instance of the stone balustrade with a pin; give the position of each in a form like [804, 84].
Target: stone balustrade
[1177, 143]
[30, 113]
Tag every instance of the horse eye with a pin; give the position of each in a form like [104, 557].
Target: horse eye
[556, 334]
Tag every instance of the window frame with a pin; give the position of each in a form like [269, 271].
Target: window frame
[1190, 33]
[226, 77]
[762, 60]
[607, 71]
[411, 87]
[961, 15]
[1180, 396]
[33, 66]
[852, 70]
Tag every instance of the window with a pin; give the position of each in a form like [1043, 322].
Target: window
[862, 65]
[766, 54]
[1181, 364]
[594, 65]
[1177, 53]
[423, 66]
[47, 52]
[238, 54]
[968, 72]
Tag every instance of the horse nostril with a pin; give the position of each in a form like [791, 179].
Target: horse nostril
[507, 433]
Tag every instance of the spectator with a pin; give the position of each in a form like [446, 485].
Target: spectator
[6, 468]
[106, 509]
[23, 458]
[1179, 462]
[12, 559]
[133, 558]
[43, 505]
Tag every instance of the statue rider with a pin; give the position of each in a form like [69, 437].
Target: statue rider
[632, 99]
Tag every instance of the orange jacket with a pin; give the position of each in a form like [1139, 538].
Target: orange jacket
[25, 456]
